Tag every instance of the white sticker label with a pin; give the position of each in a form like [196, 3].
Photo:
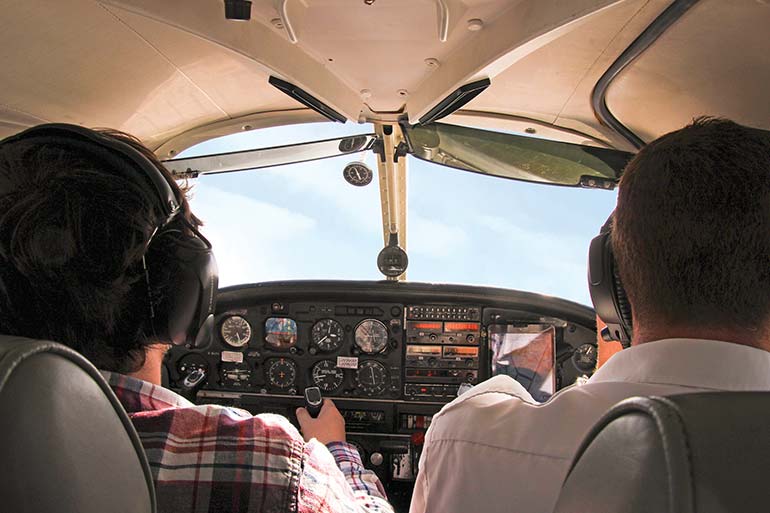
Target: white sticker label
[232, 356]
[347, 362]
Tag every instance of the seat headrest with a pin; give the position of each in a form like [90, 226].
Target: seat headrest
[66, 444]
[706, 452]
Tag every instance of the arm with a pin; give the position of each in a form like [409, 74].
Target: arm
[349, 486]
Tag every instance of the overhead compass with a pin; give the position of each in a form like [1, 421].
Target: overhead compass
[358, 174]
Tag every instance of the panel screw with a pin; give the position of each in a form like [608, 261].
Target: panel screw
[277, 23]
[475, 25]
[403, 92]
[432, 63]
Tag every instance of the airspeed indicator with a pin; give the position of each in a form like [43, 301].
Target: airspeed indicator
[236, 331]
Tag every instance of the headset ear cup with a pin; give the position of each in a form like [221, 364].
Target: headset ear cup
[607, 292]
[184, 316]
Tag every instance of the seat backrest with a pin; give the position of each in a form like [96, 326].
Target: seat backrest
[66, 444]
[703, 452]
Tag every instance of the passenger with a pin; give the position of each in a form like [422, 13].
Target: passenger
[76, 219]
[691, 237]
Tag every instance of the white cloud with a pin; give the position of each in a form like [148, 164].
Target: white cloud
[248, 235]
[433, 238]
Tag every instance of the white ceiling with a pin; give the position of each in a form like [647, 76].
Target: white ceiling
[175, 72]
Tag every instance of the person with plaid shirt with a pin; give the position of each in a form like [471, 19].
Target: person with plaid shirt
[75, 222]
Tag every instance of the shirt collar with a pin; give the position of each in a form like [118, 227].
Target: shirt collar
[136, 395]
[708, 364]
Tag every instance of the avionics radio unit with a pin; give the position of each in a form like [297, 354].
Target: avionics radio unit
[442, 350]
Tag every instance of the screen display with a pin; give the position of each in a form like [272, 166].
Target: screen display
[451, 327]
[280, 332]
[461, 352]
[423, 351]
[527, 355]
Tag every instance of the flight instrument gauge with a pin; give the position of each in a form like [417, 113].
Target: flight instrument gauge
[327, 376]
[372, 377]
[327, 334]
[585, 358]
[371, 336]
[281, 373]
[236, 331]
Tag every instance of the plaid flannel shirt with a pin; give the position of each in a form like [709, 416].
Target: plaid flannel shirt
[212, 458]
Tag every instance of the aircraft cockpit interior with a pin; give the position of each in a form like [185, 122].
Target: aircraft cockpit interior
[400, 194]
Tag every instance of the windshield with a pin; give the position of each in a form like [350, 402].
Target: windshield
[304, 221]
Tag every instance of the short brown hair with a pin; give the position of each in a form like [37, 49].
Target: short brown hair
[692, 227]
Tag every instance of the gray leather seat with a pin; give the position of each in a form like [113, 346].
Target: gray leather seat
[66, 444]
[686, 453]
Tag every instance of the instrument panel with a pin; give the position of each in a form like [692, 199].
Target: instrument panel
[389, 354]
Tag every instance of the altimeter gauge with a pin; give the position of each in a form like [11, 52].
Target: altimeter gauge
[327, 334]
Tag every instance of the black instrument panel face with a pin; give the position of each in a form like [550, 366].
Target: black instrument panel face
[389, 360]
[282, 348]
[385, 351]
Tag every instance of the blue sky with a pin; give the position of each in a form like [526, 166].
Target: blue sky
[303, 221]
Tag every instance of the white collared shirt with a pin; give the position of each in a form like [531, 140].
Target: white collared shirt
[494, 449]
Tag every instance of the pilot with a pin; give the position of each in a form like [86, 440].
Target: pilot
[691, 236]
[94, 255]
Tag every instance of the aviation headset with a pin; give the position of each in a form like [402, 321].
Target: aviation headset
[186, 313]
[607, 292]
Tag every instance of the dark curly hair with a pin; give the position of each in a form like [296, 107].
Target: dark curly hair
[73, 230]
[692, 228]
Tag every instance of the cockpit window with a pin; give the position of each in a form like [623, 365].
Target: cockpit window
[305, 221]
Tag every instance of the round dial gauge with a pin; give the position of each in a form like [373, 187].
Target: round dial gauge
[327, 334]
[371, 336]
[372, 377]
[358, 174]
[585, 358]
[236, 331]
[281, 373]
[327, 376]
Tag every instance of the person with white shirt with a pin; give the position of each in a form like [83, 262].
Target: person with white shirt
[691, 241]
